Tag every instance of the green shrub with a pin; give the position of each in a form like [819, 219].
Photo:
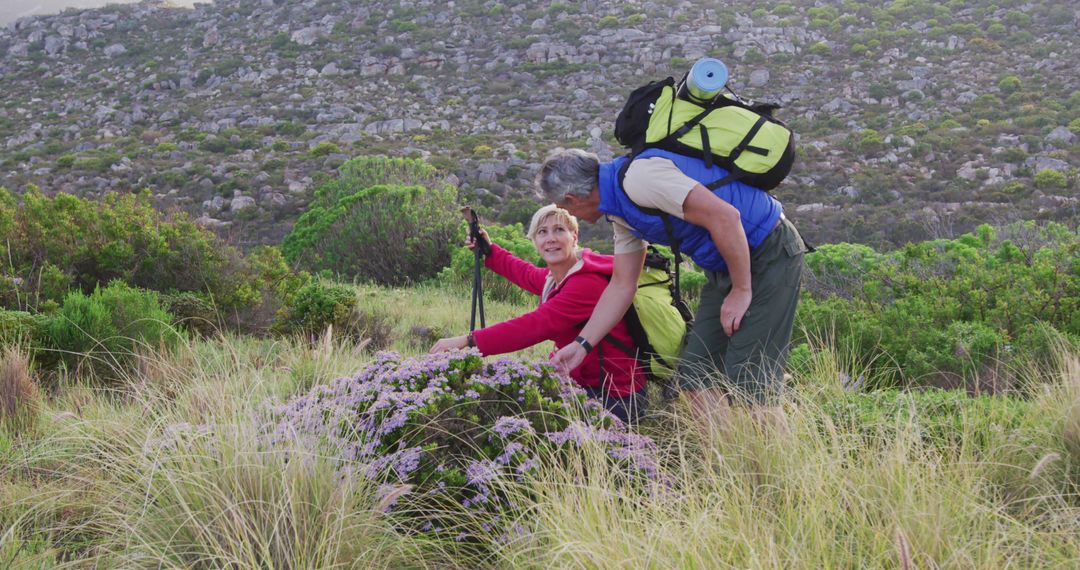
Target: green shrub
[217, 145]
[192, 311]
[402, 26]
[388, 234]
[1018, 19]
[946, 310]
[870, 141]
[1043, 345]
[388, 50]
[316, 306]
[838, 269]
[366, 171]
[1051, 178]
[106, 329]
[691, 282]
[1010, 84]
[944, 418]
[20, 328]
[290, 128]
[324, 148]
[54, 244]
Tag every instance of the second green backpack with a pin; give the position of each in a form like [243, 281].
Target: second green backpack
[656, 321]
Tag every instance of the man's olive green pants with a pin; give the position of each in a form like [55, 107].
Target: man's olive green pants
[750, 363]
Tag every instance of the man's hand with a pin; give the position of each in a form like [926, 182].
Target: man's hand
[724, 224]
[450, 343]
[568, 358]
[734, 308]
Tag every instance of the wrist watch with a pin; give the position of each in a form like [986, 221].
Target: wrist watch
[584, 343]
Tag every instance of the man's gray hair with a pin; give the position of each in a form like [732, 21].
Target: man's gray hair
[570, 172]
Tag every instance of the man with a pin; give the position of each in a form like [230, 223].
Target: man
[751, 254]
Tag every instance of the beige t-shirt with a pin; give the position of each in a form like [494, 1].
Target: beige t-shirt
[653, 182]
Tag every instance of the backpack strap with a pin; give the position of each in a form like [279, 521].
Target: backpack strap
[676, 293]
[620, 345]
[693, 122]
[641, 338]
[744, 144]
[668, 228]
[705, 147]
[735, 175]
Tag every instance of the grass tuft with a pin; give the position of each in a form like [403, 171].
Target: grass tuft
[20, 398]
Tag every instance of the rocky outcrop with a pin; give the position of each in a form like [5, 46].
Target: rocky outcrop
[222, 110]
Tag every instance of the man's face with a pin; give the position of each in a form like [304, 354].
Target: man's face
[581, 208]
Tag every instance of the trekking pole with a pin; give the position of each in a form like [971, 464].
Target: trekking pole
[480, 249]
[477, 292]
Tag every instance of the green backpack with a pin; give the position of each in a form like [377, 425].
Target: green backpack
[740, 136]
[657, 320]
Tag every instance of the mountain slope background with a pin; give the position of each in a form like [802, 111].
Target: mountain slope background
[915, 119]
[14, 9]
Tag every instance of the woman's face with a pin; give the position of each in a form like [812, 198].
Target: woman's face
[555, 241]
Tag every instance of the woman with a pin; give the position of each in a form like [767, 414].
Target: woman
[569, 288]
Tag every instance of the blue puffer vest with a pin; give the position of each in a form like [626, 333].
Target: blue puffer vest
[758, 209]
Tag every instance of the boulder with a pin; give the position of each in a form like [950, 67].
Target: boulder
[211, 38]
[241, 202]
[759, 77]
[1040, 163]
[54, 45]
[115, 50]
[19, 49]
[307, 36]
[837, 105]
[393, 126]
[1061, 135]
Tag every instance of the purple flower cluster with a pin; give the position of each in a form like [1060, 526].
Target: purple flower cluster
[451, 425]
[635, 450]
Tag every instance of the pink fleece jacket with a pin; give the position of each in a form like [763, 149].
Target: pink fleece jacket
[560, 319]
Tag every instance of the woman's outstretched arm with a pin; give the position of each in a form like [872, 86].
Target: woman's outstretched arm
[516, 270]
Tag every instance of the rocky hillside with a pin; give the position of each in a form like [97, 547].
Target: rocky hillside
[915, 118]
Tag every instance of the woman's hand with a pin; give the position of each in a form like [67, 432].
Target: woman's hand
[450, 343]
[471, 243]
[568, 358]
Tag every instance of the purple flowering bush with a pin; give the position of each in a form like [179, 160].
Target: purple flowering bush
[451, 427]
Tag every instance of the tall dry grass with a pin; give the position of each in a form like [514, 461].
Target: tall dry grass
[20, 397]
[220, 501]
[740, 495]
[98, 484]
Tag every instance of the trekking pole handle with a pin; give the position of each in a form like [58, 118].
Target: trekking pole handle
[482, 244]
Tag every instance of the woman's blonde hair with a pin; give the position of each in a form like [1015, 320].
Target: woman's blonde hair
[546, 212]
